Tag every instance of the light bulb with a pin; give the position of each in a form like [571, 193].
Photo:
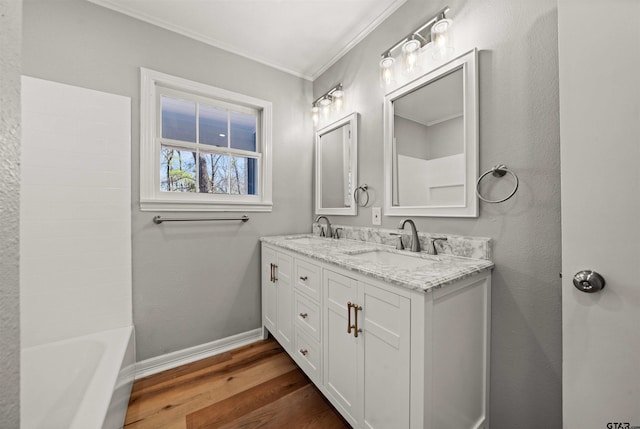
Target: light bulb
[325, 110]
[338, 98]
[441, 37]
[338, 104]
[386, 70]
[410, 50]
[315, 117]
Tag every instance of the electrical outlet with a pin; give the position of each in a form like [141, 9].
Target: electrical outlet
[375, 215]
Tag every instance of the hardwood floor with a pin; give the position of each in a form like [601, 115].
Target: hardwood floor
[256, 386]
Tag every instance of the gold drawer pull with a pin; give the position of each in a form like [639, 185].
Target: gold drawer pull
[304, 278]
[303, 315]
[353, 327]
[304, 352]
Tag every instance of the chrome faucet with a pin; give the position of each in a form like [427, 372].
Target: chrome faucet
[415, 241]
[322, 231]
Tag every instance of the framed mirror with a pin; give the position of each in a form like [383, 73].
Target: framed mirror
[431, 143]
[337, 167]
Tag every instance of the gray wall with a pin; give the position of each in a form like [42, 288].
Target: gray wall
[446, 138]
[10, 47]
[519, 126]
[192, 282]
[412, 138]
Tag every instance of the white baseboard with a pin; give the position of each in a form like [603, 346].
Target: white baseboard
[174, 359]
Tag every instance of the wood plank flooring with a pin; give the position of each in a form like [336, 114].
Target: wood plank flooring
[256, 386]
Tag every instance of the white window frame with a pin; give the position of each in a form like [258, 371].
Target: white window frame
[152, 83]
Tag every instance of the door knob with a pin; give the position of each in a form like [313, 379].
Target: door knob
[588, 281]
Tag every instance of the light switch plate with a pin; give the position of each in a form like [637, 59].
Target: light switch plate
[375, 215]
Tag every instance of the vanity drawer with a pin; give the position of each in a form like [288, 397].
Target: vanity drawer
[307, 278]
[307, 316]
[308, 355]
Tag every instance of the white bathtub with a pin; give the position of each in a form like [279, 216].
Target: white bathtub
[79, 383]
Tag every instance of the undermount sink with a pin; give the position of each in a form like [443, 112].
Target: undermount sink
[306, 240]
[395, 259]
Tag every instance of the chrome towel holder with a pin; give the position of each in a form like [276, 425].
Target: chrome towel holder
[364, 188]
[497, 171]
[158, 219]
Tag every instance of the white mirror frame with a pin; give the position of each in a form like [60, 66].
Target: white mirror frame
[351, 119]
[468, 63]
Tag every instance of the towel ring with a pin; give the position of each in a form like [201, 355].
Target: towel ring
[364, 188]
[497, 171]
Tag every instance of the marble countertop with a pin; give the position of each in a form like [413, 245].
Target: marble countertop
[436, 271]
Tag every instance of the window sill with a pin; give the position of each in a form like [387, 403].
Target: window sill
[180, 206]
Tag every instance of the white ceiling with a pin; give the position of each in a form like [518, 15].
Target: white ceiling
[301, 37]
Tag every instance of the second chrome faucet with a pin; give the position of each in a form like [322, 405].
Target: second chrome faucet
[415, 241]
[328, 232]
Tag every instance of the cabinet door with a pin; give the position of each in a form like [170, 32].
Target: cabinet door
[341, 349]
[269, 291]
[284, 308]
[385, 339]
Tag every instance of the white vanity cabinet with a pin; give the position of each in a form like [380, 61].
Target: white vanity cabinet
[385, 356]
[367, 352]
[277, 304]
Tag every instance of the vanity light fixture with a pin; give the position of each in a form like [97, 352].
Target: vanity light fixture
[433, 33]
[325, 101]
[441, 38]
[325, 105]
[410, 50]
[387, 65]
[338, 99]
[334, 97]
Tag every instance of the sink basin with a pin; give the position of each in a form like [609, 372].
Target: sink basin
[307, 240]
[395, 259]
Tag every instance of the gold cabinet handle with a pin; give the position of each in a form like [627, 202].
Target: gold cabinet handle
[356, 308]
[304, 352]
[304, 278]
[271, 272]
[275, 273]
[303, 315]
[353, 327]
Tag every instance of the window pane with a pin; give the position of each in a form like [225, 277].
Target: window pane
[178, 119]
[217, 168]
[213, 126]
[243, 131]
[242, 173]
[177, 171]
